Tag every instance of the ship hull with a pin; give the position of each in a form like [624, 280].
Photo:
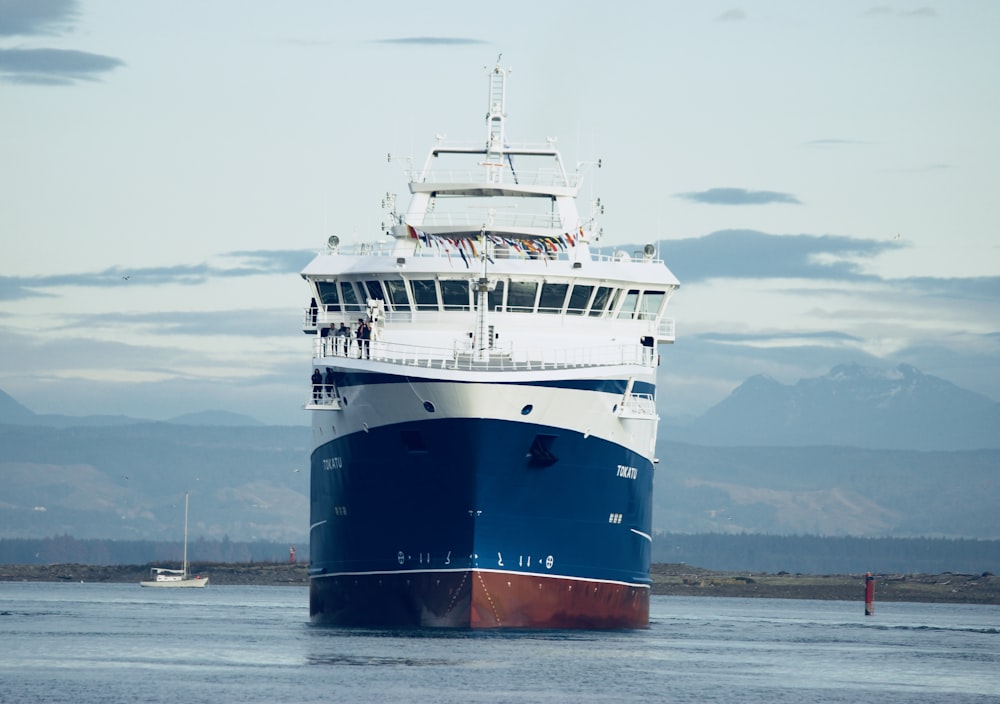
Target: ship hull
[479, 523]
[484, 444]
[476, 599]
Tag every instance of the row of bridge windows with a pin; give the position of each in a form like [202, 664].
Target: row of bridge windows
[507, 295]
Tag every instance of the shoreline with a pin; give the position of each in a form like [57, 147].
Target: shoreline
[668, 579]
[945, 588]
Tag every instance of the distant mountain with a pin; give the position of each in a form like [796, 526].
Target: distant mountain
[857, 451]
[128, 482]
[852, 405]
[825, 491]
[224, 418]
[13, 413]
[252, 483]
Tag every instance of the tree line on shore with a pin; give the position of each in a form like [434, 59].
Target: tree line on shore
[814, 554]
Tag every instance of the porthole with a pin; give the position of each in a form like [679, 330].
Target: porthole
[428, 406]
[614, 408]
[526, 410]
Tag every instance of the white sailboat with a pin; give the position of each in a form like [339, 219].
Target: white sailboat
[164, 577]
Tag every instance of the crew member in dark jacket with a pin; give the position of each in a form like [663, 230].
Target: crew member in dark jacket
[317, 380]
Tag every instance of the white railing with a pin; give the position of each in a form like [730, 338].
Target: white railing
[322, 400]
[462, 356]
[319, 318]
[638, 405]
[543, 221]
[665, 329]
[526, 177]
[386, 248]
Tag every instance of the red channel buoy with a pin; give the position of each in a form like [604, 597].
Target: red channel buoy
[869, 595]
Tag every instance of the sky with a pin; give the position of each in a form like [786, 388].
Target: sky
[821, 177]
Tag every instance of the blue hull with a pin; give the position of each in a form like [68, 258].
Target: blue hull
[409, 520]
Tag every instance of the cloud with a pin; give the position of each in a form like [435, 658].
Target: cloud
[248, 263]
[32, 17]
[757, 255]
[438, 41]
[53, 66]
[749, 254]
[46, 66]
[734, 15]
[833, 142]
[887, 11]
[985, 288]
[738, 196]
[256, 323]
[926, 168]
[789, 336]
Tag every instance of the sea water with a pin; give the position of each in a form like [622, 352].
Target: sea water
[110, 643]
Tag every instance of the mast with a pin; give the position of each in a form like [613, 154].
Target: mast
[185, 566]
[482, 350]
[495, 137]
[495, 155]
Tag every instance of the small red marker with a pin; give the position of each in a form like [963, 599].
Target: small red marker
[869, 595]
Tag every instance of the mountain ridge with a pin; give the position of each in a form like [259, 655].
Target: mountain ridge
[767, 459]
[900, 408]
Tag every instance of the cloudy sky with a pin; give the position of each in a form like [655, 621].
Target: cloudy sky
[823, 178]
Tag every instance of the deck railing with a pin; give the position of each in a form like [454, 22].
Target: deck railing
[462, 356]
[387, 248]
[638, 406]
[326, 316]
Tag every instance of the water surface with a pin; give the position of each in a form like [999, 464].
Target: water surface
[110, 643]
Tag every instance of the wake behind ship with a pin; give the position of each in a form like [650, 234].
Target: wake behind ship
[484, 434]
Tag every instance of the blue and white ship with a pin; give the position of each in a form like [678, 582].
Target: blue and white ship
[485, 458]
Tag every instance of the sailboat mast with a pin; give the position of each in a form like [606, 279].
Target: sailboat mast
[185, 566]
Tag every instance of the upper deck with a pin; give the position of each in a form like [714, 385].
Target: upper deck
[491, 263]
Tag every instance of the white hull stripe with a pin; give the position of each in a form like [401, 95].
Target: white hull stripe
[480, 569]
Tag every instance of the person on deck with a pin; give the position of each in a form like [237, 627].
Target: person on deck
[364, 337]
[317, 382]
[329, 382]
[343, 339]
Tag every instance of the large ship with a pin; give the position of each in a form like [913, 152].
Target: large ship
[483, 437]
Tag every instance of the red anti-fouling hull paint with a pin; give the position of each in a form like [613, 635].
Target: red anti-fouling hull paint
[502, 600]
[475, 599]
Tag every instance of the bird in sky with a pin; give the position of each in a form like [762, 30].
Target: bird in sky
[126, 277]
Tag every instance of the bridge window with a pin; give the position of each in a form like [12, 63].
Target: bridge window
[398, 298]
[521, 296]
[374, 288]
[553, 297]
[349, 296]
[455, 294]
[629, 304]
[328, 296]
[578, 299]
[601, 300]
[425, 295]
[652, 301]
[616, 295]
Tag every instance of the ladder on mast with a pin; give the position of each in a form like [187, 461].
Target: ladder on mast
[494, 125]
